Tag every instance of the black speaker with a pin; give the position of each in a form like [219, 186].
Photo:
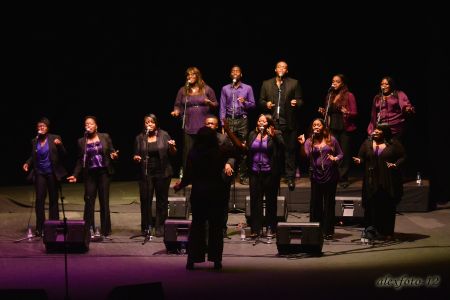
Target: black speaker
[299, 237]
[176, 234]
[178, 208]
[77, 238]
[154, 291]
[282, 210]
[349, 208]
[13, 294]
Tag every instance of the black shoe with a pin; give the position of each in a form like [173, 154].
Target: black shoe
[37, 233]
[291, 184]
[244, 180]
[217, 265]
[189, 265]
[328, 237]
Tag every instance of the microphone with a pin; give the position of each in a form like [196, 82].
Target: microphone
[331, 88]
[187, 84]
[234, 82]
[147, 130]
[261, 129]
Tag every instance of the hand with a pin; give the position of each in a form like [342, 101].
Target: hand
[410, 110]
[271, 131]
[57, 142]
[137, 158]
[332, 158]
[356, 160]
[391, 165]
[293, 102]
[241, 99]
[270, 104]
[114, 154]
[321, 110]
[175, 113]
[171, 143]
[344, 110]
[225, 125]
[177, 186]
[72, 179]
[25, 167]
[228, 170]
[301, 139]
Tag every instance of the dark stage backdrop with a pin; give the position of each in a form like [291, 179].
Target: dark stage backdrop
[119, 63]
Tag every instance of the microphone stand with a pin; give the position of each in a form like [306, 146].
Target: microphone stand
[325, 117]
[148, 231]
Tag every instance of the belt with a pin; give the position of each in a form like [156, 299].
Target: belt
[237, 117]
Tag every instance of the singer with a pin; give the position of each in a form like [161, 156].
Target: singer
[204, 171]
[46, 170]
[264, 148]
[195, 100]
[236, 101]
[152, 150]
[95, 155]
[324, 154]
[339, 114]
[281, 96]
[391, 106]
[382, 158]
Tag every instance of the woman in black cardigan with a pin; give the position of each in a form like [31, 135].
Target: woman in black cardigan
[152, 149]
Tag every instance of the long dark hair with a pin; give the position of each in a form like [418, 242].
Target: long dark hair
[341, 93]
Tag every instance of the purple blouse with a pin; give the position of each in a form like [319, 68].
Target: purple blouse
[260, 159]
[44, 166]
[196, 108]
[94, 155]
[323, 169]
[389, 112]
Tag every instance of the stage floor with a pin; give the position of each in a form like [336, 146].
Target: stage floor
[419, 254]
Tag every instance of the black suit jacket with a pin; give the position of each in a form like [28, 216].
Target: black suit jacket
[108, 148]
[290, 89]
[57, 152]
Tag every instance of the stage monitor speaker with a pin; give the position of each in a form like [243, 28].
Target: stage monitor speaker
[77, 238]
[13, 294]
[178, 208]
[176, 234]
[153, 291]
[299, 237]
[282, 210]
[347, 207]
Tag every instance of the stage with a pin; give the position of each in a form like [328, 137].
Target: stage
[415, 264]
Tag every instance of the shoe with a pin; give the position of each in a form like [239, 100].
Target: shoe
[344, 184]
[189, 265]
[37, 233]
[328, 237]
[244, 180]
[225, 234]
[217, 265]
[291, 184]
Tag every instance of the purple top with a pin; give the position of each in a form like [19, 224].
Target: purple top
[389, 112]
[196, 108]
[230, 106]
[44, 166]
[94, 157]
[323, 169]
[260, 159]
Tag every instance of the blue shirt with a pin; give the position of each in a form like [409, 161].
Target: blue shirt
[44, 165]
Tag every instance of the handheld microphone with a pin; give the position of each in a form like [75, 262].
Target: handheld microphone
[147, 130]
[234, 82]
[261, 129]
[187, 84]
[331, 88]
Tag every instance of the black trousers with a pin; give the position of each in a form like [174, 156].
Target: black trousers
[290, 150]
[97, 181]
[43, 184]
[322, 204]
[240, 128]
[263, 184]
[345, 141]
[206, 218]
[159, 186]
[379, 212]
